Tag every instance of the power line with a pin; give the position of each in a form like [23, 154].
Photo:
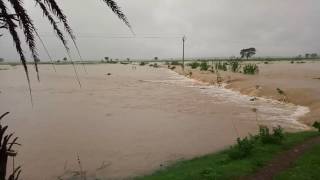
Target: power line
[121, 36]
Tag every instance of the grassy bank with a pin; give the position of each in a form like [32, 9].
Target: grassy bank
[306, 167]
[221, 166]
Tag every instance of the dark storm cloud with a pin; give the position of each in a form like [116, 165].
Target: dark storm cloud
[213, 28]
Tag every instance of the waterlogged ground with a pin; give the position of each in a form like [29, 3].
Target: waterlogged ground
[126, 124]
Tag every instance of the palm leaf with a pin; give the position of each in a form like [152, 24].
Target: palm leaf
[117, 10]
[28, 29]
[11, 27]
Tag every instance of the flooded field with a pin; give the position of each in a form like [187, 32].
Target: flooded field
[128, 123]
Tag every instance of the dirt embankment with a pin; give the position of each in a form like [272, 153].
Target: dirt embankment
[300, 83]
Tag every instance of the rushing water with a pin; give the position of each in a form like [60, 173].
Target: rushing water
[270, 112]
[126, 124]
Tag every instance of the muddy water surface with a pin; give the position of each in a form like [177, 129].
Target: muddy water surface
[126, 124]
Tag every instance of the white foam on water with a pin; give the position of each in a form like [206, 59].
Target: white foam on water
[270, 111]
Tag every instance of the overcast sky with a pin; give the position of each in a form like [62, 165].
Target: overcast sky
[214, 28]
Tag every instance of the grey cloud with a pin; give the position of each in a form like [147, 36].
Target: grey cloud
[213, 28]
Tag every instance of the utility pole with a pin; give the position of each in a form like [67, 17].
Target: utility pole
[183, 40]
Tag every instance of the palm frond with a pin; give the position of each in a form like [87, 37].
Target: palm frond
[117, 10]
[62, 17]
[11, 27]
[28, 30]
[55, 27]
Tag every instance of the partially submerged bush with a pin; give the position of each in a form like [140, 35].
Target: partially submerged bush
[194, 65]
[235, 66]
[283, 94]
[250, 69]
[242, 149]
[275, 138]
[175, 63]
[221, 66]
[204, 66]
[316, 125]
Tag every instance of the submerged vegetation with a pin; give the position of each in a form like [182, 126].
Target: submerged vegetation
[250, 69]
[221, 66]
[194, 65]
[204, 66]
[316, 125]
[235, 66]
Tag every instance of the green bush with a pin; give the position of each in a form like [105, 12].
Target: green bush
[250, 69]
[142, 63]
[204, 66]
[194, 65]
[221, 66]
[175, 63]
[242, 149]
[276, 137]
[235, 66]
[316, 125]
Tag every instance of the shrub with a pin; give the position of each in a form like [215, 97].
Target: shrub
[204, 66]
[221, 66]
[266, 138]
[316, 125]
[250, 69]
[194, 65]
[235, 66]
[142, 63]
[175, 63]
[242, 149]
[278, 134]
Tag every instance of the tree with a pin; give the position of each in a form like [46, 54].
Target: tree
[156, 58]
[128, 59]
[307, 55]
[314, 55]
[247, 53]
[106, 58]
[1, 60]
[65, 59]
[14, 16]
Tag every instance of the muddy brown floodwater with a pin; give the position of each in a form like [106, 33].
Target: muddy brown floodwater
[125, 124]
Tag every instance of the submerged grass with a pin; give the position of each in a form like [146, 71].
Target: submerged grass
[221, 166]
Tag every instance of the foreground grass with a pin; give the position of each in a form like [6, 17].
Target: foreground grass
[306, 167]
[220, 166]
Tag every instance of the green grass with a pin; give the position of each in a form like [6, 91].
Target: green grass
[306, 167]
[220, 166]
